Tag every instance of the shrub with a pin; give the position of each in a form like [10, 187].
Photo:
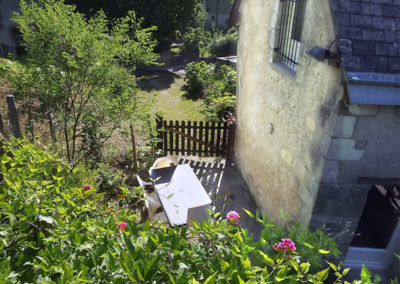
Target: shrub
[223, 43]
[216, 108]
[195, 39]
[216, 83]
[196, 78]
[54, 231]
[109, 181]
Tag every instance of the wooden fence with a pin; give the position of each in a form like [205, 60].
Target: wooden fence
[195, 138]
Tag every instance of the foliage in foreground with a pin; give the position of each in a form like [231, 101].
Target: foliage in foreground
[216, 83]
[75, 72]
[57, 229]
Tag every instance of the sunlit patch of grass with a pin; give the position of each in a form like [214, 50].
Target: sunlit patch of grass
[172, 104]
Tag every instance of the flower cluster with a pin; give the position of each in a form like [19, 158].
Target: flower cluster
[86, 188]
[233, 216]
[285, 245]
[230, 118]
[121, 226]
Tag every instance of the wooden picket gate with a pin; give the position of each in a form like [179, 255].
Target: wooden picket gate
[207, 139]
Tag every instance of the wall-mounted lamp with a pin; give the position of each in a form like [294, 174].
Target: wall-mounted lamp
[321, 54]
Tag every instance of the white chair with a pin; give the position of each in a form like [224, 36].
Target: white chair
[198, 214]
[152, 203]
[143, 183]
[164, 162]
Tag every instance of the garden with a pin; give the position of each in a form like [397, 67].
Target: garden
[70, 209]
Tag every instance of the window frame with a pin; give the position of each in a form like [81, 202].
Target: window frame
[288, 33]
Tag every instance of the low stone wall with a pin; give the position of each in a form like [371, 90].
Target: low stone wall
[365, 143]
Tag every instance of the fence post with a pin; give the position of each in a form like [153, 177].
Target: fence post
[159, 125]
[12, 109]
[134, 156]
[230, 151]
[2, 130]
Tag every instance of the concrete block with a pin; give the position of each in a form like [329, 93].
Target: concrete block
[344, 126]
[350, 171]
[331, 171]
[344, 150]
[362, 109]
[339, 200]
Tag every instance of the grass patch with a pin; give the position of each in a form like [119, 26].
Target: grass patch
[172, 103]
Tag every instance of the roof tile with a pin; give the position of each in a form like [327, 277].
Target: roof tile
[368, 34]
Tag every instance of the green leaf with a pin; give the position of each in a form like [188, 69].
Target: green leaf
[99, 196]
[246, 263]
[67, 273]
[294, 265]
[240, 279]
[323, 274]
[365, 273]
[216, 215]
[267, 259]
[345, 271]
[248, 213]
[321, 251]
[150, 268]
[304, 267]
[308, 245]
[258, 216]
[211, 278]
[332, 266]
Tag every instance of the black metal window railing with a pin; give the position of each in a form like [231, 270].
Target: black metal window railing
[289, 30]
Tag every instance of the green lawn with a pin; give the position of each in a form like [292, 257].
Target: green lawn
[170, 100]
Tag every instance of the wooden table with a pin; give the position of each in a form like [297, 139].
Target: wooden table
[178, 189]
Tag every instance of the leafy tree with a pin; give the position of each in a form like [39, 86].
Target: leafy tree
[77, 69]
[173, 18]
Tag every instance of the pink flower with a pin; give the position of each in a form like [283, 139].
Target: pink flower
[121, 226]
[126, 167]
[285, 244]
[233, 216]
[87, 187]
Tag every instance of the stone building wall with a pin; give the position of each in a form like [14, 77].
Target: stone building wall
[365, 144]
[7, 40]
[285, 122]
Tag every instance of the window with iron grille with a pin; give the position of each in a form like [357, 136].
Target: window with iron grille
[288, 36]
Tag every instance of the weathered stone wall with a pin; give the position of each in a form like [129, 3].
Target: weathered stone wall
[365, 144]
[284, 122]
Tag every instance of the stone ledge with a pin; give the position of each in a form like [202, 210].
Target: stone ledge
[345, 150]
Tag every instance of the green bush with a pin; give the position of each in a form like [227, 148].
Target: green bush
[109, 181]
[55, 229]
[195, 39]
[223, 43]
[196, 78]
[216, 84]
